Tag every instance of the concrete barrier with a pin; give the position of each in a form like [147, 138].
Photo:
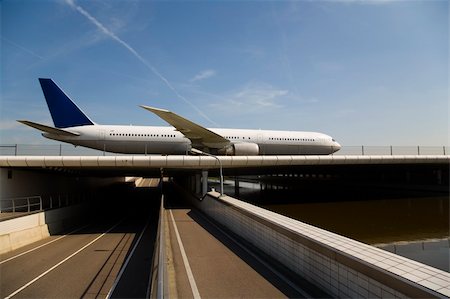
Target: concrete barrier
[21, 231]
[340, 266]
[18, 232]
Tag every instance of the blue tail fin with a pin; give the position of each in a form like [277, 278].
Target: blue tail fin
[65, 113]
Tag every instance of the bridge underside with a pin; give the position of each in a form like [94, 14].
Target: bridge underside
[289, 172]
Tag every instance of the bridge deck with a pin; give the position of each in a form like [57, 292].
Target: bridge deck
[205, 162]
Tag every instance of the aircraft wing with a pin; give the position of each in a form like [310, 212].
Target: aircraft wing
[197, 134]
[47, 129]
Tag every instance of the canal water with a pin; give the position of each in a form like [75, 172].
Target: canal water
[411, 224]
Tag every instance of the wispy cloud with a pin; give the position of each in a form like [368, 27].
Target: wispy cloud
[7, 124]
[251, 98]
[259, 95]
[113, 36]
[371, 2]
[22, 48]
[203, 75]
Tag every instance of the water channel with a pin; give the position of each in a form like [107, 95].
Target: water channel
[409, 223]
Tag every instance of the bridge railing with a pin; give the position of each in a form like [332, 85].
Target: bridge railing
[48, 150]
[29, 204]
[159, 283]
[69, 150]
[389, 150]
[21, 204]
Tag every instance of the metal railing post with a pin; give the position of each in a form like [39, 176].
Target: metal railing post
[220, 166]
[13, 205]
[15, 150]
[362, 149]
[28, 204]
[40, 203]
[418, 150]
[391, 150]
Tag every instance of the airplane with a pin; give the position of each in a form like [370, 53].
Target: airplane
[183, 137]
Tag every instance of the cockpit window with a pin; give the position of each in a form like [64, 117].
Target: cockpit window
[333, 140]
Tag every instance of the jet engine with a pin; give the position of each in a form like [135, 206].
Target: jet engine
[241, 149]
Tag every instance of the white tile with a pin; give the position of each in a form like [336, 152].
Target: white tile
[445, 291]
[386, 294]
[411, 277]
[375, 289]
[390, 263]
[430, 285]
[363, 281]
[420, 274]
[397, 271]
[343, 292]
[440, 282]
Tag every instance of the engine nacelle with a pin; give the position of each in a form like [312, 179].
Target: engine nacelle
[241, 149]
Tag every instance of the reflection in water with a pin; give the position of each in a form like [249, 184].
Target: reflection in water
[375, 221]
[431, 252]
[370, 216]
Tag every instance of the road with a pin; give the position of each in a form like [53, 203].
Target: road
[87, 262]
[205, 261]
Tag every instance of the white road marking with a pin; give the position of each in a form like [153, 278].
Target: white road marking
[194, 288]
[40, 246]
[126, 262]
[60, 263]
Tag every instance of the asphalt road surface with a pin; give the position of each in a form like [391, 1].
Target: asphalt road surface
[111, 255]
[207, 262]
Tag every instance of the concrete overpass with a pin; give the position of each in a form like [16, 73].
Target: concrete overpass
[351, 272]
[417, 169]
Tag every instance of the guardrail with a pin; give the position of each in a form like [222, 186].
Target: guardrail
[159, 287]
[28, 204]
[69, 150]
[390, 150]
[21, 204]
[49, 150]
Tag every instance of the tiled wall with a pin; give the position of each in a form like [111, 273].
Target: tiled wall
[340, 266]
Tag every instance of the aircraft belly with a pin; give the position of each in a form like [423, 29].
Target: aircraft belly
[283, 149]
[145, 147]
[135, 147]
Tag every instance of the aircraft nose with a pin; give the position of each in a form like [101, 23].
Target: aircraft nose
[336, 146]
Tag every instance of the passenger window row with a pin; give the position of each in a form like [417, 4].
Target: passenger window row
[142, 135]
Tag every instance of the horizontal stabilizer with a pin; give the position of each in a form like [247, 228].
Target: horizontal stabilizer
[47, 129]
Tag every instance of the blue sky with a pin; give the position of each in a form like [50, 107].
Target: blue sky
[364, 72]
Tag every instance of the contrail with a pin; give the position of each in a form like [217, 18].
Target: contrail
[22, 48]
[111, 34]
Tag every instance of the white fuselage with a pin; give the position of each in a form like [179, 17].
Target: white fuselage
[166, 140]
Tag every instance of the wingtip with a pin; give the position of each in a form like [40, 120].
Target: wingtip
[153, 109]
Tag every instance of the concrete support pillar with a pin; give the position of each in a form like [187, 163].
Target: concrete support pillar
[236, 186]
[204, 182]
[439, 177]
[408, 177]
[192, 183]
[198, 183]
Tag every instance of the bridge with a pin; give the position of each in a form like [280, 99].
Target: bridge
[205, 244]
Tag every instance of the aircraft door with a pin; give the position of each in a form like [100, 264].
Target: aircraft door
[101, 141]
[259, 138]
[101, 135]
